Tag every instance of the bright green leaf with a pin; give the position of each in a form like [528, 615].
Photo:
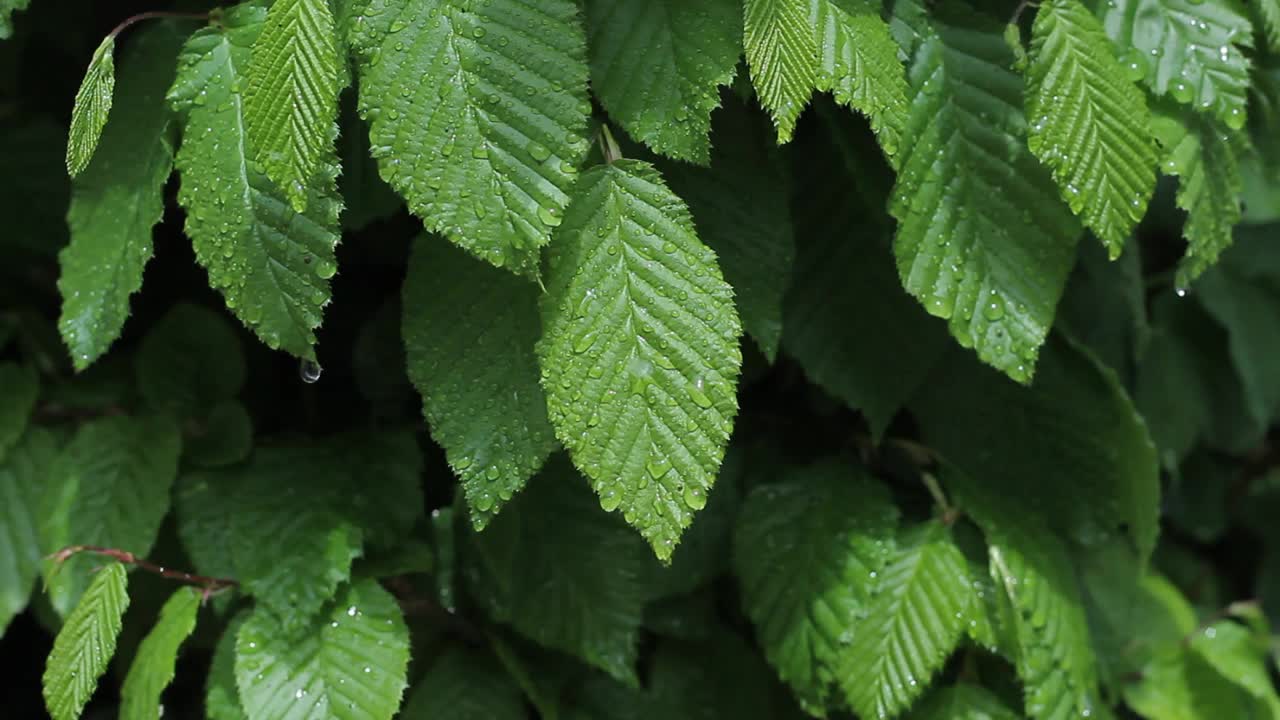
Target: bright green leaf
[349, 662]
[1240, 657]
[117, 200]
[639, 352]
[117, 472]
[1206, 159]
[271, 264]
[983, 239]
[782, 49]
[478, 120]
[1189, 50]
[189, 361]
[564, 573]
[291, 94]
[858, 62]
[807, 553]
[93, 104]
[919, 608]
[1181, 685]
[85, 644]
[469, 334]
[741, 209]
[156, 659]
[466, 684]
[1089, 122]
[657, 67]
[24, 481]
[222, 698]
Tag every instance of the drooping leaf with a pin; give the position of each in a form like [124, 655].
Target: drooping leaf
[21, 386]
[639, 351]
[918, 611]
[1032, 568]
[807, 553]
[270, 263]
[156, 659]
[1089, 122]
[289, 523]
[1240, 657]
[469, 333]
[466, 684]
[564, 573]
[24, 479]
[1193, 52]
[222, 698]
[291, 96]
[1206, 159]
[85, 644]
[1075, 430]
[189, 361]
[963, 702]
[740, 208]
[117, 199]
[657, 67]
[989, 253]
[348, 662]
[479, 124]
[93, 104]
[782, 51]
[858, 62]
[117, 472]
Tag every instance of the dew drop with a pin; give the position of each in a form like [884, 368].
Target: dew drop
[310, 371]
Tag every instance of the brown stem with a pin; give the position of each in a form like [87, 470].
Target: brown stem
[210, 585]
[153, 15]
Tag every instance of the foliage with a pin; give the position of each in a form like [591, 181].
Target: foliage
[610, 359]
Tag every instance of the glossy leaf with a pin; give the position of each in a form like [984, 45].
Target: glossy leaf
[93, 104]
[155, 662]
[85, 644]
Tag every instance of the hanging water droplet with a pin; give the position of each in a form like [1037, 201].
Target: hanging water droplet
[309, 371]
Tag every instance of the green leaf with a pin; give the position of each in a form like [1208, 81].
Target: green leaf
[1245, 307]
[21, 388]
[1193, 52]
[657, 66]
[565, 574]
[1181, 685]
[189, 361]
[740, 206]
[782, 51]
[718, 678]
[1240, 657]
[469, 334]
[1074, 430]
[963, 702]
[1269, 12]
[807, 553]
[85, 644]
[289, 523]
[93, 104]
[466, 684]
[7, 8]
[117, 472]
[1206, 159]
[222, 437]
[222, 699]
[156, 659]
[117, 200]
[919, 608]
[987, 252]
[1089, 122]
[351, 661]
[24, 491]
[478, 123]
[271, 264]
[858, 62]
[639, 351]
[1055, 657]
[291, 96]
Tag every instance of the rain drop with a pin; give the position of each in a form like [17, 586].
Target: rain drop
[309, 371]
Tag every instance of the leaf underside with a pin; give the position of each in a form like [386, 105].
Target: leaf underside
[93, 104]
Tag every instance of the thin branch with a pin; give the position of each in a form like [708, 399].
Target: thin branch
[609, 146]
[154, 15]
[949, 512]
[210, 585]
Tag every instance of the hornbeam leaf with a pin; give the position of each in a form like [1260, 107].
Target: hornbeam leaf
[639, 351]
